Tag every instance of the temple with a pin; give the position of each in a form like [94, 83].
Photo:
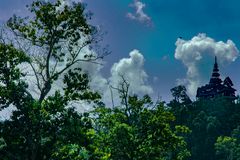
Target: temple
[216, 86]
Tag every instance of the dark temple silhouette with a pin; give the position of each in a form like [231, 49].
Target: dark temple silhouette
[216, 86]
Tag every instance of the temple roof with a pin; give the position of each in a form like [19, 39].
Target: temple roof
[216, 86]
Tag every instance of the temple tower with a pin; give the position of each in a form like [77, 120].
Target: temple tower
[215, 79]
[216, 86]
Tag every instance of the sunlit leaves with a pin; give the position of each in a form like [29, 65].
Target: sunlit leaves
[141, 131]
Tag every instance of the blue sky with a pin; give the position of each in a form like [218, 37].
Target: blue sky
[171, 19]
[156, 37]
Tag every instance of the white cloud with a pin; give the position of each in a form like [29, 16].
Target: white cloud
[139, 14]
[198, 54]
[132, 69]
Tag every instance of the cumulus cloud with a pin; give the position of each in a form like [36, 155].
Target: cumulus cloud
[139, 14]
[132, 69]
[198, 54]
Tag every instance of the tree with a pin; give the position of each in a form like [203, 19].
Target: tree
[204, 133]
[46, 126]
[59, 33]
[181, 105]
[180, 94]
[228, 148]
[138, 129]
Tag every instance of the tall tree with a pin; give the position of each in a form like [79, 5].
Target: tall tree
[181, 105]
[46, 126]
[58, 33]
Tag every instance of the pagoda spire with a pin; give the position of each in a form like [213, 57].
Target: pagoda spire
[215, 79]
[215, 73]
[217, 87]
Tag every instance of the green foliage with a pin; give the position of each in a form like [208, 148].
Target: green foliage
[46, 127]
[71, 151]
[39, 130]
[180, 94]
[51, 24]
[225, 147]
[228, 148]
[58, 33]
[11, 86]
[140, 131]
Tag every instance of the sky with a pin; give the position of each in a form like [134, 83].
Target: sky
[158, 44]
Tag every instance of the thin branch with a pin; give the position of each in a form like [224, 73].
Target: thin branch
[41, 68]
[36, 76]
[74, 62]
[54, 68]
[37, 43]
[1, 36]
[111, 92]
[48, 60]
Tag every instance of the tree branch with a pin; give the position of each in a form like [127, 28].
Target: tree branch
[36, 75]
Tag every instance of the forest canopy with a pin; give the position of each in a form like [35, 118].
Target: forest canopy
[45, 124]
